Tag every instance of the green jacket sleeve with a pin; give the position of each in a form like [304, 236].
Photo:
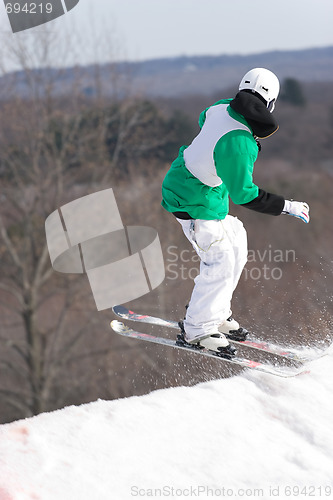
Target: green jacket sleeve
[234, 156]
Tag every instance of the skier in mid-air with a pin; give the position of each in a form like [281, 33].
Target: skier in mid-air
[217, 164]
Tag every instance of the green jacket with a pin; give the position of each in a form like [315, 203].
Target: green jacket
[218, 164]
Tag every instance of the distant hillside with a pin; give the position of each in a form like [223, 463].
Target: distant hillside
[179, 76]
[205, 75]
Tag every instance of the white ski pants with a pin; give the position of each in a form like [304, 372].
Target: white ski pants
[222, 248]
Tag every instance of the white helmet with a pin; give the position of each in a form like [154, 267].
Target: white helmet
[264, 82]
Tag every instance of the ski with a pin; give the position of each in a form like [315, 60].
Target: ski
[251, 341]
[280, 371]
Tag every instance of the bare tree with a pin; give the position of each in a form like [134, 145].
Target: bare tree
[46, 317]
[57, 144]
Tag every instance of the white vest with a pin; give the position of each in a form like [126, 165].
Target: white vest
[199, 156]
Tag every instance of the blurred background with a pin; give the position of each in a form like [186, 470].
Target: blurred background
[103, 97]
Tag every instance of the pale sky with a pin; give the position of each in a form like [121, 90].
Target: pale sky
[147, 29]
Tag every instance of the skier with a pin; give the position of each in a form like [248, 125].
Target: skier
[217, 164]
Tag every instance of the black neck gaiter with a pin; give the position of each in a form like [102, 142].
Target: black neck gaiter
[255, 113]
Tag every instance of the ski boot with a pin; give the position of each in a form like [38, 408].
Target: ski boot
[217, 342]
[230, 327]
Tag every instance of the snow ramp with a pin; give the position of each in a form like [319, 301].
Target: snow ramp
[250, 436]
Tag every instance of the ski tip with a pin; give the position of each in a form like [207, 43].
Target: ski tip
[118, 310]
[117, 325]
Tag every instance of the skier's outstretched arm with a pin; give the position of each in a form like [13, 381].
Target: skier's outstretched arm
[241, 187]
[269, 203]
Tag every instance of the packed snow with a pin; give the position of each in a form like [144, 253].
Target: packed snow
[249, 436]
